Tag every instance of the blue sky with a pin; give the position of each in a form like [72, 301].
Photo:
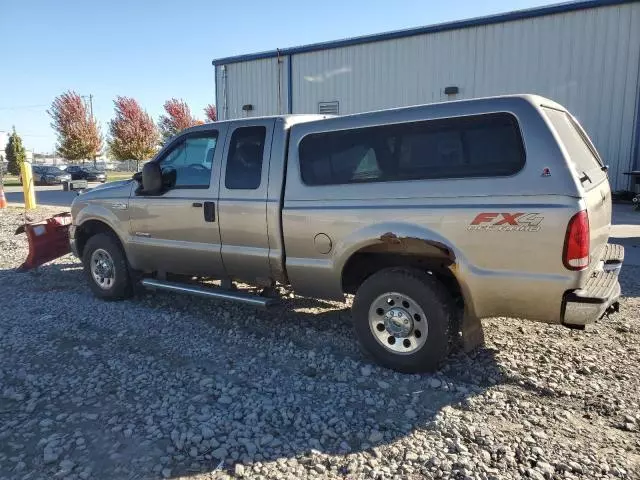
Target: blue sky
[155, 50]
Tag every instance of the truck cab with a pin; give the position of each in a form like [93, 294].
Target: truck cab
[216, 213]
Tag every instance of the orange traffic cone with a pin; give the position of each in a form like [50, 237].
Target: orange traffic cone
[3, 199]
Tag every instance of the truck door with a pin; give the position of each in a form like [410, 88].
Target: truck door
[242, 204]
[178, 231]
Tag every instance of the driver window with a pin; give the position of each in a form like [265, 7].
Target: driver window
[191, 161]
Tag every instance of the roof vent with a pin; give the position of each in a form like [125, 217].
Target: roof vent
[329, 108]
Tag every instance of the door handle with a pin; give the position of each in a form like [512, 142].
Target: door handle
[209, 211]
[196, 204]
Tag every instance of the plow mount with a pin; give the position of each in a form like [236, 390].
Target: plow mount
[48, 240]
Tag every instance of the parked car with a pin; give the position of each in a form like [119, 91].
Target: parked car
[36, 172]
[90, 174]
[434, 216]
[53, 176]
[47, 175]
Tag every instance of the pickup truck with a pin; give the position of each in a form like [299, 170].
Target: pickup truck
[433, 216]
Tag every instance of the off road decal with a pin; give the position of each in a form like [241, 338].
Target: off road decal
[506, 222]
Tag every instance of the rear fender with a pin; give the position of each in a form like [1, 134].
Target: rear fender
[406, 239]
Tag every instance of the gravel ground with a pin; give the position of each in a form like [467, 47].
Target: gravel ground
[169, 386]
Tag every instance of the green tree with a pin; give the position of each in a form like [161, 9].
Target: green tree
[16, 154]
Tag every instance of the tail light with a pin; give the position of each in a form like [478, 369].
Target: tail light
[576, 242]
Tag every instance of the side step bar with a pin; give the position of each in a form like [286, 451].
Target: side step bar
[247, 299]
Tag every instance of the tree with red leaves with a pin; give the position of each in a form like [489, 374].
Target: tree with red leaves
[78, 133]
[211, 113]
[177, 118]
[132, 133]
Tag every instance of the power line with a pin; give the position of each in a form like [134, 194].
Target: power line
[23, 134]
[20, 107]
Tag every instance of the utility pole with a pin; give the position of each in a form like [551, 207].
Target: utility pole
[91, 114]
[91, 110]
[90, 96]
[3, 143]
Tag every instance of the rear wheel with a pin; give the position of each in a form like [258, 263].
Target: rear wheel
[106, 268]
[404, 319]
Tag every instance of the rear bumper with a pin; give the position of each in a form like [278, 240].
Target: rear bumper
[600, 293]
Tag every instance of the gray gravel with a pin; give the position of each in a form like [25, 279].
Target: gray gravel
[164, 386]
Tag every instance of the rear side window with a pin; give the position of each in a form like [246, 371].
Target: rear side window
[244, 162]
[477, 146]
[580, 153]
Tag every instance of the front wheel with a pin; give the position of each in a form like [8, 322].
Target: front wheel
[105, 266]
[404, 319]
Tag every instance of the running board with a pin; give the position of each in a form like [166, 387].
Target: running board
[247, 299]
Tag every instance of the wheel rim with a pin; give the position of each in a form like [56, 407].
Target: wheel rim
[103, 269]
[398, 323]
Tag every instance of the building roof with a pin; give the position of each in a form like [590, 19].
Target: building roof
[441, 27]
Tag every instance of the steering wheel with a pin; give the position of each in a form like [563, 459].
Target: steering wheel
[197, 166]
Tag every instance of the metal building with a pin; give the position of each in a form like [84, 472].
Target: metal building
[584, 55]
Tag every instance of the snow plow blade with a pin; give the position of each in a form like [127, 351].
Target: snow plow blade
[48, 240]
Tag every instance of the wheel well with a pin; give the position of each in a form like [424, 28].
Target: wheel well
[430, 257]
[90, 228]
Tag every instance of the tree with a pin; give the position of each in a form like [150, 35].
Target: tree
[133, 135]
[211, 113]
[177, 118]
[16, 154]
[79, 135]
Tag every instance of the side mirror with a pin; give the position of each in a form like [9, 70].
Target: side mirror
[151, 178]
[169, 177]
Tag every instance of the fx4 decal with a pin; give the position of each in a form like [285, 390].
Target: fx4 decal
[506, 222]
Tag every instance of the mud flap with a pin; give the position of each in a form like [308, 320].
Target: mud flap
[472, 333]
[48, 240]
[611, 309]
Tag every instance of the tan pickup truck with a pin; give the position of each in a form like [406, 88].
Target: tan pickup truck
[434, 216]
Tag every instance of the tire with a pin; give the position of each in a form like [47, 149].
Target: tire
[421, 333]
[105, 249]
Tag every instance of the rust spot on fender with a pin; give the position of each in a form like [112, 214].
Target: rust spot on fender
[390, 237]
[412, 245]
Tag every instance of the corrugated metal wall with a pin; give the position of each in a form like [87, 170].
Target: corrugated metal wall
[252, 83]
[586, 60]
